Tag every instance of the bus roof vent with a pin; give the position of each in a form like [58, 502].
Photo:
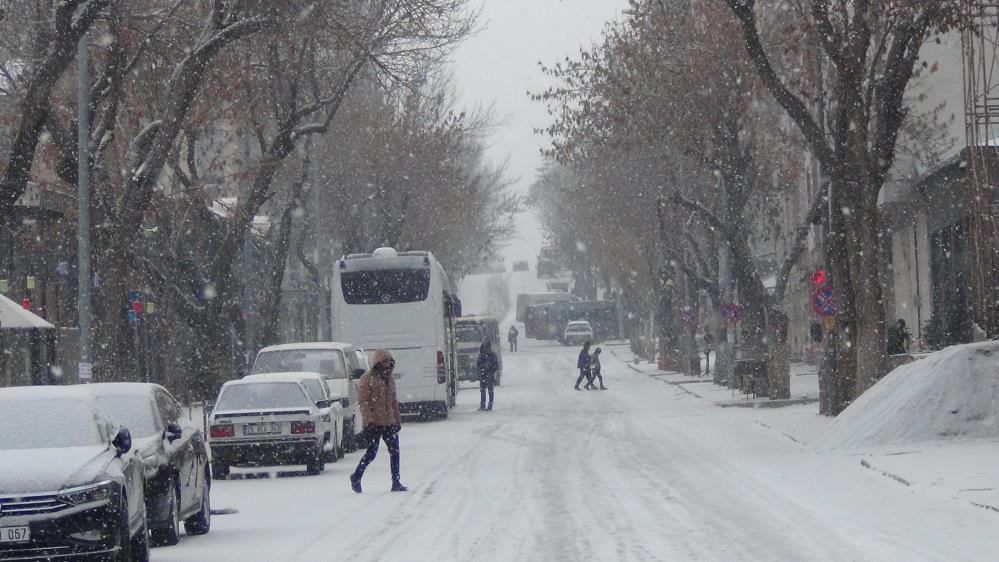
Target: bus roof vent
[385, 252]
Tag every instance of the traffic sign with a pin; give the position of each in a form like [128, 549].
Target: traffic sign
[732, 313]
[823, 301]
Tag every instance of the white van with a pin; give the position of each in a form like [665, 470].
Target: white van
[336, 362]
[401, 301]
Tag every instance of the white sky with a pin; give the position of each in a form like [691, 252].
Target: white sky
[499, 65]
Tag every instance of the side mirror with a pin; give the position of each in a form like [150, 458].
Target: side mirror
[321, 404]
[174, 431]
[357, 373]
[122, 441]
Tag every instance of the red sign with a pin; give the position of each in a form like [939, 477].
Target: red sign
[819, 277]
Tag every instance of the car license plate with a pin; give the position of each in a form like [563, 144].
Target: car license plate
[270, 428]
[15, 534]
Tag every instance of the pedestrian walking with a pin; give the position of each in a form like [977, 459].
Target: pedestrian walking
[595, 368]
[709, 340]
[382, 419]
[898, 338]
[488, 366]
[583, 364]
[511, 336]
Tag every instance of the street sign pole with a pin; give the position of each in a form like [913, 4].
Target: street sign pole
[83, 198]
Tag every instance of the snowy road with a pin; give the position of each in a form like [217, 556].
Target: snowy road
[643, 471]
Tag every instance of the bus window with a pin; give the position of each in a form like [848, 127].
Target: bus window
[385, 286]
[468, 333]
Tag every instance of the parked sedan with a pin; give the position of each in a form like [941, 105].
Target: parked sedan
[318, 389]
[70, 485]
[174, 456]
[266, 423]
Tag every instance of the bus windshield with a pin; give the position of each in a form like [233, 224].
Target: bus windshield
[468, 333]
[385, 286]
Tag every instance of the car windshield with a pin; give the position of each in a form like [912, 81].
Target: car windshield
[468, 334]
[135, 413]
[264, 395]
[45, 424]
[327, 362]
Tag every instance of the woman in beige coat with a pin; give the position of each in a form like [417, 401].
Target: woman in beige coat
[382, 419]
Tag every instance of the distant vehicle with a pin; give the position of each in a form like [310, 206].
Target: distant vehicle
[548, 321]
[548, 264]
[401, 301]
[577, 332]
[318, 389]
[341, 364]
[174, 455]
[471, 332]
[525, 300]
[70, 486]
[521, 265]
[557, 286]
[265, 423]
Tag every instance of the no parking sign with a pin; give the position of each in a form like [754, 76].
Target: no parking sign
[823, 301]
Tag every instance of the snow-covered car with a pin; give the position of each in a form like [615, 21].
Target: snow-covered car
[336, 362]
[265, 423]
[174, 456]
[70, 484]
[318, 389]
[577, 332]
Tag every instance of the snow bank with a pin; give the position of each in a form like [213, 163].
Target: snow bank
[951, 394]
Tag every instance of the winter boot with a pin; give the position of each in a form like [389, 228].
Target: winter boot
[489, 408]
[398, 487]
[355, 483]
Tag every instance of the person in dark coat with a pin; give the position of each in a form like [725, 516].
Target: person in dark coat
[382, 417]
[595, 368]
[709, 340]
[898, 338]
[488, 366]
[583, 364]
[511, 337]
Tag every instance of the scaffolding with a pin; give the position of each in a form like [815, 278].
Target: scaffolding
[980, 45]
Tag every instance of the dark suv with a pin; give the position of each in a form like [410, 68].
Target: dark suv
[70, 487]
[174, 456]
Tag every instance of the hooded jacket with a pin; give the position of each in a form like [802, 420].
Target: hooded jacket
[488, 363]
[376, 395]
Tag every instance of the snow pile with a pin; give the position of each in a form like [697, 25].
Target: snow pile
[951, 394]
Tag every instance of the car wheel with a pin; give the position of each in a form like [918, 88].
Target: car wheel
[330, 455]
[201, 522]
[140, 544]
[314, 463]
[220, 470]
[169, 535]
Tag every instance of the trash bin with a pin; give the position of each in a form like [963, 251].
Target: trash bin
[751, 376]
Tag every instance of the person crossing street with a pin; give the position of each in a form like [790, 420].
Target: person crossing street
[382, 418]
[583, 364]
[595, 369]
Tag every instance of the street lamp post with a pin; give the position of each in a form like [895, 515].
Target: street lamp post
[83, 186]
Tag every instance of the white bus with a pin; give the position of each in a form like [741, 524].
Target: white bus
[401, 301]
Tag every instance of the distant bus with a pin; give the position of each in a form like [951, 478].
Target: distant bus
[525, 300]
[548, 321]
[470, 333]
[401, 301]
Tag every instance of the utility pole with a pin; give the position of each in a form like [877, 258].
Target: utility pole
[83, 199]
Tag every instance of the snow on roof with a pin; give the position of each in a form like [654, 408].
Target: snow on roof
[951, 394]
[136, 389]
[307, 345]
[14, 317]
[248, 379]
[51, 392]
[281, 377]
